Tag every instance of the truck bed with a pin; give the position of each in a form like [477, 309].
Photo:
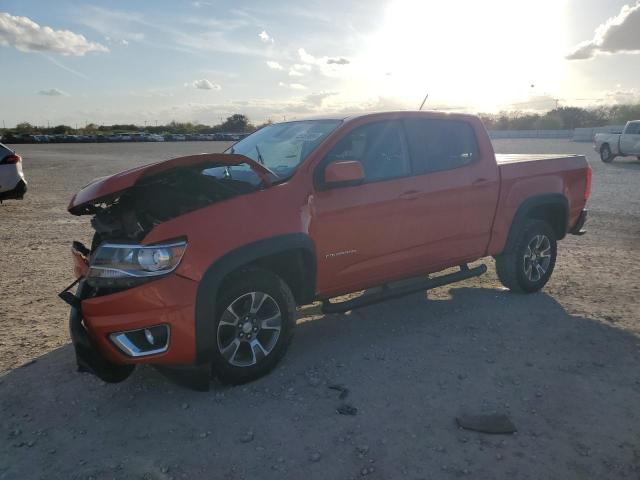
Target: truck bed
[544, 174]
[502, 159]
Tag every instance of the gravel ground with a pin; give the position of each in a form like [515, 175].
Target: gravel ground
[563, 363]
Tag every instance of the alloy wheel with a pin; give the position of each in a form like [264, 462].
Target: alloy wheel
[537, 258]
[249, 329]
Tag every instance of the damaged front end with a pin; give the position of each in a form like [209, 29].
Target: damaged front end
[125, 208]
[128, 205]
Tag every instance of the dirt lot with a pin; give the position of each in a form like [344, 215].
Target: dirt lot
[563, 364]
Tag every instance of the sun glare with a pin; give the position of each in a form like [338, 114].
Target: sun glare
[467, 54]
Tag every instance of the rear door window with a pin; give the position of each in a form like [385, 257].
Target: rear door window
[438, 145]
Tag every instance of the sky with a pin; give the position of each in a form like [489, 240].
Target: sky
[143, 62]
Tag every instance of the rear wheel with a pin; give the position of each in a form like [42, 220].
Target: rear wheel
[528, 266]
[254, 325]
[605, 154]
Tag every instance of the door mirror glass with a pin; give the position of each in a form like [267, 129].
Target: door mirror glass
[343, 173]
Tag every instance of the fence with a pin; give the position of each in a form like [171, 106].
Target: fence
[531, 134]
[577, 135]
[587, 134]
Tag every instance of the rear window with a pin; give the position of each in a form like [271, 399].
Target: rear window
[5, 151]
[438, 145]
[633, 128]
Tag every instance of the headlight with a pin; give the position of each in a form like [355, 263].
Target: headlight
[118, 265]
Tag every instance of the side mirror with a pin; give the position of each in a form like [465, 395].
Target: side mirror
[343, 173]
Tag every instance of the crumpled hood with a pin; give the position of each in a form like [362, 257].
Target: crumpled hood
[108, 187]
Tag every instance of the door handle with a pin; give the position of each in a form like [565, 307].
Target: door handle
[410, 195]
[480, 181]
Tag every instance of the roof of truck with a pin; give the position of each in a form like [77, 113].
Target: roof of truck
[390, 113]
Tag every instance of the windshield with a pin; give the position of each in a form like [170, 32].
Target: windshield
[283, 146]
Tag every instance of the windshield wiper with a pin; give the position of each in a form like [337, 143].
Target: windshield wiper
[260, 159]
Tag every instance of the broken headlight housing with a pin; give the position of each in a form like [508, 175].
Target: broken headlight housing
[123, 265]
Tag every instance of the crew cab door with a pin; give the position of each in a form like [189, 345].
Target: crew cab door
[450, 201]
[630, 139]
[356, 228]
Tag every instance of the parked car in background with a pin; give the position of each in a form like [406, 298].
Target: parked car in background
[625, 144]
[154, 137]
[12, 182]
[328, 206]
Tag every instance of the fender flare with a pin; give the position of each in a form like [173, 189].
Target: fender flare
[211, 281]
[525, 208]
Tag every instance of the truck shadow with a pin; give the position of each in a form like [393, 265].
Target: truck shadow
[410, 365]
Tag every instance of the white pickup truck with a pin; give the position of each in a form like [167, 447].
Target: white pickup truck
[612, 145]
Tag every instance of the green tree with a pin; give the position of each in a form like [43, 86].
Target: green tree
[24, 127]
[236, 123]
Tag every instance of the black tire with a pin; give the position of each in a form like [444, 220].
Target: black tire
[511, 266]
[237, 293]
[605, 153]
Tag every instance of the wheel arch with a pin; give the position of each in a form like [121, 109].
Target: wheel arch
[291, 256]
[552, 208]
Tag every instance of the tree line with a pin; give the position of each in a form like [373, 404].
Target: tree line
[557, 119]
[236, 123]
[563, 118]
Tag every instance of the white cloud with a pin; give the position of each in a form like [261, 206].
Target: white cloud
[299, 69]
[330, 67]
[274, 65]
[53, 92]
[265, 37]
[292, 86]
[27, 36]
[306, 57]
[205, 84]
[622, 96]
[540, 103]
[338, 61]
[618, 34]
[317, 99]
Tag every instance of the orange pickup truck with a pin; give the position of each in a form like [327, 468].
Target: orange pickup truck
[198, 263]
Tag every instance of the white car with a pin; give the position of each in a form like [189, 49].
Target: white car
[612, 145]
[12, 182]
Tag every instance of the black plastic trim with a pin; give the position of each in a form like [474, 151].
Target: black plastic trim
[550, 199]
[232, 261]
[578, 228]
[389, 292]
[88, 358]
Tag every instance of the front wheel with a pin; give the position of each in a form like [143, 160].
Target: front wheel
[605, 154]
[254, 325]
[528, 266]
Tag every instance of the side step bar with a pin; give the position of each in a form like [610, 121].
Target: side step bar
[401, 291]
